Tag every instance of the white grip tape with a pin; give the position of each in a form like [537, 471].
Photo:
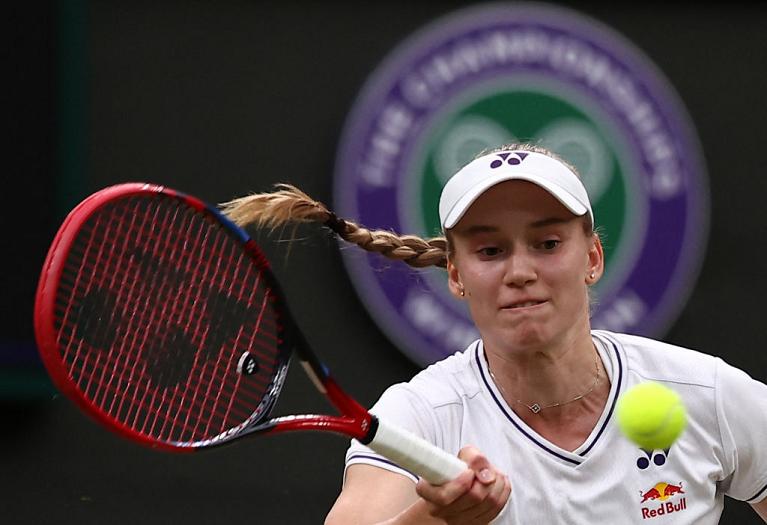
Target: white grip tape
[416, 454]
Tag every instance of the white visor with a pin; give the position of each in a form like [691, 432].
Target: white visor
[479, 175]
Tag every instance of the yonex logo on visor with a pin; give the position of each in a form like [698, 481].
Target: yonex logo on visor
[513, 158]
[481, 174]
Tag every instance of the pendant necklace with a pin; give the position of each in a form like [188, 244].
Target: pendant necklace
[535, 408]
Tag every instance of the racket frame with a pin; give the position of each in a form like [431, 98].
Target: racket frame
[355, 420]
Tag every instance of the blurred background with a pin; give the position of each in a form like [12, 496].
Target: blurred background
[219, 99]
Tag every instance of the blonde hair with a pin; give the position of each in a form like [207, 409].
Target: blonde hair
[289, 204]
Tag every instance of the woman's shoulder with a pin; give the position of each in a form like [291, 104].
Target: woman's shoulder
[660, 360]
[448, 381]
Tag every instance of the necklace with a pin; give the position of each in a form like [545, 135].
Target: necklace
[536, 408]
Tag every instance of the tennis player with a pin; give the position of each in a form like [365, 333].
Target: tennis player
[530, 405]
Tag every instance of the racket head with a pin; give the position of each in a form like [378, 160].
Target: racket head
[161, 319]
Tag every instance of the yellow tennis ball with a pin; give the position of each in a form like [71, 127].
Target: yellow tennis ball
[651, 415]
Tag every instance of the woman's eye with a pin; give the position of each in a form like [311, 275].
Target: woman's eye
[550, 244]
[490, 251]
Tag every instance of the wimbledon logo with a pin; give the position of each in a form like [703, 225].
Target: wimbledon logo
[495, 74]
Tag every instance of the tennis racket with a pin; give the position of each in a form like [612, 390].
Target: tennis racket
[161, 319]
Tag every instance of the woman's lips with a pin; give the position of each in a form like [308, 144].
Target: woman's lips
[519, 305]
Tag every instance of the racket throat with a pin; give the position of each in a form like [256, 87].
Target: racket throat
[346, 405]
[318, 384]
[371, 430]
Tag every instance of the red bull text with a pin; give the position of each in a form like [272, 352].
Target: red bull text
[660, 493]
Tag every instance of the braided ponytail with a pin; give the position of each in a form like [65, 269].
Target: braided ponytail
[289, 204]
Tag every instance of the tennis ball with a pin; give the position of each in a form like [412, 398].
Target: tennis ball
[651, 415]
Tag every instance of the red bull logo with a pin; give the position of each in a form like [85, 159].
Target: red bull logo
[661, 492]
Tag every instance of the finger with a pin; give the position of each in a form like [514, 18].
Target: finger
[446, 494]
[495, 502]
[479, 463]
[470, 500]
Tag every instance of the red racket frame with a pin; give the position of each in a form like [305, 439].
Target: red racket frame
[355, 421]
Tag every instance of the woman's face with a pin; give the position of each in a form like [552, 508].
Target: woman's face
[524, 262]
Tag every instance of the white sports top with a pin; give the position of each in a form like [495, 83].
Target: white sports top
[607, 479]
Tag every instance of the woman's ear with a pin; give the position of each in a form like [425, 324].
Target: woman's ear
[596, 261]
[454, 282]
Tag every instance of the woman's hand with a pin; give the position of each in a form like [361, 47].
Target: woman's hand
[476, 496]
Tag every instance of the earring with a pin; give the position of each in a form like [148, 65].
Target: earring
[462, 292]
[592, 275]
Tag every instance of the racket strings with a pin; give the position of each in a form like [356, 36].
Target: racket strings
[152, 325]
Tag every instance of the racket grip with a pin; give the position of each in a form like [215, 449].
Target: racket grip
[415, 454]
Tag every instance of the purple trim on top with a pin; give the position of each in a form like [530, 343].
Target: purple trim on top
[508, 416]
[757, 494]
[382, 460]
[613, 402]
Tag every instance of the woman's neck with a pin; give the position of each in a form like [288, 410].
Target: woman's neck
[547, 377]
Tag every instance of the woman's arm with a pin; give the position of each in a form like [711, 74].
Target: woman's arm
[761, 509]
[372, 495]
